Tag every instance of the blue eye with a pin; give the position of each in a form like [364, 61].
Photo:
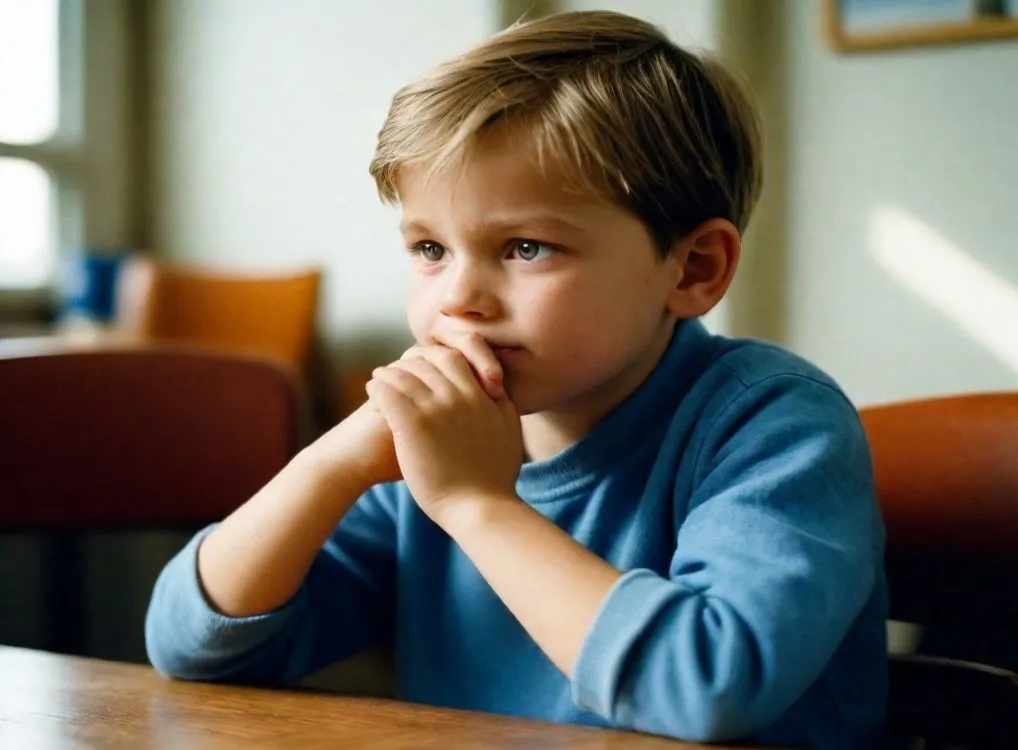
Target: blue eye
[531, 250]
[432, 252]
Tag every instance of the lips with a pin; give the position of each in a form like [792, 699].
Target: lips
[506, 354]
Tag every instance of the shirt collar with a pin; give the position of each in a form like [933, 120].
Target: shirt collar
[642, 417]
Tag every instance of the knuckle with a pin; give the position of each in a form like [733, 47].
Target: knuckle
[395, 370]
[448, 357]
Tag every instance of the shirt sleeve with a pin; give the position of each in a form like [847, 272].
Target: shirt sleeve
[776, 558]
[346, 604]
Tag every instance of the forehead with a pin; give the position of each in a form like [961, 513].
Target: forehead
[500, 170]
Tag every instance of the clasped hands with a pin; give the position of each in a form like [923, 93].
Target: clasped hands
[456, 434]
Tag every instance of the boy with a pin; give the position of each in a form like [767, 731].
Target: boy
[606, 514]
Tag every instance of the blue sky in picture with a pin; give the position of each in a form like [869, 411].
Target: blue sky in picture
[870, 15]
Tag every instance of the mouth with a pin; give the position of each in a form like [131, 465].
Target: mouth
[504, 349]
[503, 353]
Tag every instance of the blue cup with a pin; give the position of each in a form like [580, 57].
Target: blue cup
[90, 283]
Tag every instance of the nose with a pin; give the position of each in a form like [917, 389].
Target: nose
[469, 293]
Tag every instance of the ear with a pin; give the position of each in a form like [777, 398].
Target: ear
[706, 258]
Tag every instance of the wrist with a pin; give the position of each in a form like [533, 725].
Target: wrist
[466, 513]
[332, 477]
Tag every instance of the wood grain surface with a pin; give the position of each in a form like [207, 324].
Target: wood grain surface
[56, 702]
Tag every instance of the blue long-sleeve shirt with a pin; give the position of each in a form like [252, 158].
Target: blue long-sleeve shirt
[733, 488]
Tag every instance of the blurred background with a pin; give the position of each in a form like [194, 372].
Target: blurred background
[213, 154]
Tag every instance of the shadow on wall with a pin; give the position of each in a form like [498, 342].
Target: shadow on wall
[970, 296]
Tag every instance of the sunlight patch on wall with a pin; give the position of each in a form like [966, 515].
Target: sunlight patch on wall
[943, 275]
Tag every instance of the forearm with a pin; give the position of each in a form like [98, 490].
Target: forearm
[257, 558]
[552, 584]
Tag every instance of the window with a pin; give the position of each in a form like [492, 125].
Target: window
[26, 224]
[28, 70]
[31, 120]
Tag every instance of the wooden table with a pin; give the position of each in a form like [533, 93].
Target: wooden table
[56, 702]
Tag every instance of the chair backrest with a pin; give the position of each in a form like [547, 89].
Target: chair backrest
[138, 437]
[947, 478]
[270, 316]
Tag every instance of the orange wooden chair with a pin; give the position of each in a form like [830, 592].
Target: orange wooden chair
[132, 438]
[269, 316]
[947, 478]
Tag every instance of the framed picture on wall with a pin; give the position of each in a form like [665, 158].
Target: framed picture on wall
[860, 25]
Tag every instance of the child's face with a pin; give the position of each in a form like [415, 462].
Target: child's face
[568, 290]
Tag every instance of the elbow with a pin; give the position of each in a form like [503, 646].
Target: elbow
[164, 657]
[723, 718]
[172, 651]
[691, 667]
[712, 687]
[207, 655]
[718, 723]
[677, 704]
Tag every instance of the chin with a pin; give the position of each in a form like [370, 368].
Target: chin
[523, 401]
[531, 400]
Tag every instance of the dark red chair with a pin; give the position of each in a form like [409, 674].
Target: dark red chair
[132, 437]
[947, 478]
[138, 437]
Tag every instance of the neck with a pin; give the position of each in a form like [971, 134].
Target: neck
[548, 433]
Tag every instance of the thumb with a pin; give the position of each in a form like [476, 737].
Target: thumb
[511, 416]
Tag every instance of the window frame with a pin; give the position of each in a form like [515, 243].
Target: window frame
[96, 152]
[61, 155]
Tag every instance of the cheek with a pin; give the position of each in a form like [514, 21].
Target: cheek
[569, 315]
[567, 293]
[585, 302]
[600, 317]
[420, 310]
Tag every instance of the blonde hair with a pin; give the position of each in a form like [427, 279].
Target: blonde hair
[666, 133]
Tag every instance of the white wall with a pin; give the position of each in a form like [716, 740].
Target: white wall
[692, 23]
[902, 219]
[265, 118]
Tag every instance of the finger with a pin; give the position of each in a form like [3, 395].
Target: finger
[390, 402]
[405, 382]
[457, 368]
[450, 363]
[434, 378]
[510, 414]
[480, 356]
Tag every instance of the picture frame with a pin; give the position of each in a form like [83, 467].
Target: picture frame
[869, 25]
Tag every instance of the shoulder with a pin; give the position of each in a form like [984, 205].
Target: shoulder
[780, 435]
[746, 374]
[767, 401]
[752, 363]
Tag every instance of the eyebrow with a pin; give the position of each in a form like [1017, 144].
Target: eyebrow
[508, 225]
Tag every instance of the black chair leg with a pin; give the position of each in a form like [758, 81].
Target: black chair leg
[64, 580]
